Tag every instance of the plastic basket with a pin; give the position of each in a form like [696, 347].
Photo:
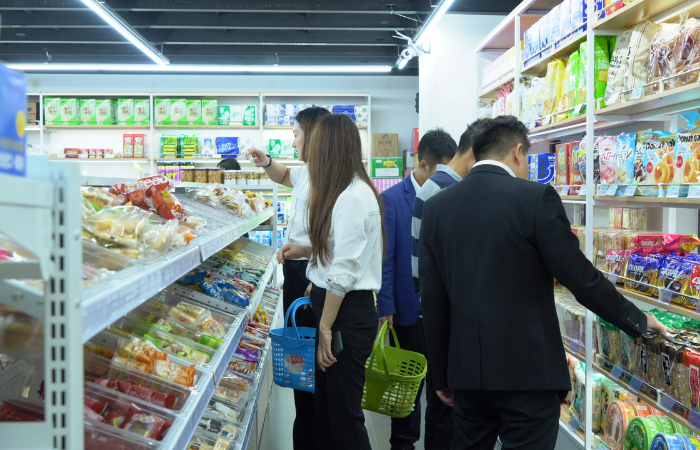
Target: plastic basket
[294, 352]
[393, 378]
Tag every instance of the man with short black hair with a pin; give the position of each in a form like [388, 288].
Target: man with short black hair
[490, 248]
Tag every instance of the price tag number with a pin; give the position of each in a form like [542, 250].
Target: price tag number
[630, 190]
[604, 190]
[612, 190]
[673, 191]
[694, 191]
[579, 108]
[637, 93]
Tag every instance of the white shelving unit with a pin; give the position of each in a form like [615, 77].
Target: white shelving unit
[674, 215]
[50, 226]
[53, 138]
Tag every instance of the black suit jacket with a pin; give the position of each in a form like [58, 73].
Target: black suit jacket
[490, 247]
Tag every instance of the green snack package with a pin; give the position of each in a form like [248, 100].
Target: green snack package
[602, 63]
[142, 111]
[162, 111]
[250, 116]
[52, 111]
[210, 111]
[70, 114]
[224, 115]
[104, 111]
[88, 112]
[125, 111]
[275, 148]
[178, 111]
[194, 112]
[574, 73]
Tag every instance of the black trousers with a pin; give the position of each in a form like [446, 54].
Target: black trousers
[295, 283]
[405, 432]
[339, 417]
[524, 420]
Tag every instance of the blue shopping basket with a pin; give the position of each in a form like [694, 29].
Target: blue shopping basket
[294, 352]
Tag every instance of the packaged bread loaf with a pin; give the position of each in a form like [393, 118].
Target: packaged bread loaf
[628, 64]
[661, 64]
[687, 55]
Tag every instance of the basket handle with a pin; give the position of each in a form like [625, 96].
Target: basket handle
[379, 344]
[291, 314]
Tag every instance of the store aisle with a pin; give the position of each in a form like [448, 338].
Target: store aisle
[277, 434]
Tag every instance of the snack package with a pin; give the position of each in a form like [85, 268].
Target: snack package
[687, 54]
[615, 261]
[675, 276]
[660, 155]
[574, 72]
[666, 242]
[555, 74]
[564, 22]
[608, 157]
[133, 193]
[661, 64]
[101, 198]
[687, 158]
[545, 35]
[539, 87]
[634, 67]
[562, 103]
[626, 155]
[645, 270]
[146, 425]
[601, 63]
[575, 178]
[640, 170]
[168, 370]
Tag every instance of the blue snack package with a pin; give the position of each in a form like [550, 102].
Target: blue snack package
[193, 277]
[211, 289]
[645, 270]
[231, 297]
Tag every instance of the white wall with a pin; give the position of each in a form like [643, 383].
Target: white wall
[393, 98]
[448, 91]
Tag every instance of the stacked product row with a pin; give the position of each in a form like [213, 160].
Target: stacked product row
[207, 111]
[102, 111]
[285, 114]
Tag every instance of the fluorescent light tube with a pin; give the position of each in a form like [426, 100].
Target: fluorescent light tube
[195, 68]
[125, 30]
[432, 21]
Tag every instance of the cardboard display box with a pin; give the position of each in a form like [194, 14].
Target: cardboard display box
[385, 145]
[386, 168]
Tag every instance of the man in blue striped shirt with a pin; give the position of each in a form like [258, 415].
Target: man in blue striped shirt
[439, 426]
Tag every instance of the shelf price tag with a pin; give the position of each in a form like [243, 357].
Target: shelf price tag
[612, 278]
[665, 296]
[579, 108]
[573, 422]
[616, 372]
[667, 403]
[574, 346]
[612, 190]
[630, 190]
[694, 191]
[603, 190]
[694, 418]
[612, 100]
[635, 385]
[565, 190]
[602, 447]
[673, 191]
[637, 93]
[582, 191]
[547, 119]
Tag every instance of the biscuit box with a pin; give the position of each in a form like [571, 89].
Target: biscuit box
[13, 93]
[386, 168]
[545, 163]
[562, 152]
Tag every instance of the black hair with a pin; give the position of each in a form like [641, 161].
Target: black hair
[496, 137]
[466, 141]
[436, 146]
[229, 164]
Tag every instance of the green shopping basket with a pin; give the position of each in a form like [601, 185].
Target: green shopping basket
[393, 378]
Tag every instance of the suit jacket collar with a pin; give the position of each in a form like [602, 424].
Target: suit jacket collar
[489, 168]
[409, 191]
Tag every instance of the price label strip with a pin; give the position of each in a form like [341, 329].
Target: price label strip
[612, 190]
[565, 190]
[602, 447]
[630, 190]
[673, 191]
[667, 403]
[574, 346]
[694, 191]
[582, 191]
[579, 108]
[636, 385]
[616, 372]
[603, 190]
[665, 296]
[637, 93]
[694, 418]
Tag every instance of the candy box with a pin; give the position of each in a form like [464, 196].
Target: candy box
[70, 113]
[210, 111]
[545, 163]
[562, 152]
[142, 111]
[194, 112]
[128, 147]
[178, 111]
[575, 178]
[162, 111]
[224, 115]
[140, 141]
[386, 167]
[52, 111]
[88, 111]
[687, 168]
[13, 91]
[625, 158]
[125, 111]
[104, 111]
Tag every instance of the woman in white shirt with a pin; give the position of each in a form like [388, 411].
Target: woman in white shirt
[347, 247]
[295, 281]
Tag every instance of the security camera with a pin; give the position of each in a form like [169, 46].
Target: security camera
[408, 53]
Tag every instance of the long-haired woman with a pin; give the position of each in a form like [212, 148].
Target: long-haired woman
[295, 281]
[347, 247]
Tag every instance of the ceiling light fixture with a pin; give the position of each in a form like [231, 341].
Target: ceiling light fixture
[126, 30]
[195, 68]
[417, 45]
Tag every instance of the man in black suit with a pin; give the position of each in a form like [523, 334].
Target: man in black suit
[490, 247]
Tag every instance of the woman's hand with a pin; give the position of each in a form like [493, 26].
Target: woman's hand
[324, 353]
[293, 251]
[260, 158]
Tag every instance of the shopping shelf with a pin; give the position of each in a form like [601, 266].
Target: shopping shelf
[673, 101]
[494, 87]
[566, 48]
[569, 425]
[673, 307]
[641, 10]
[647, 201]
[118, 297]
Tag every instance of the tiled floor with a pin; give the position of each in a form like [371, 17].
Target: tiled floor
[277, 434]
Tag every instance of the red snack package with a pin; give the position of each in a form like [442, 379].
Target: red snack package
[147, 425]
[110, 384]
[89, 413]
[666, 243]
[159, 204]
[164, 400]
[93, 404]
[159, 182]
[174, 205]
[8, 414]
[141, 393]
[114, 418]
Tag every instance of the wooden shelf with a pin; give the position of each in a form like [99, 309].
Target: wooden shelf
[209, 127]
[648, 106]
[635, 13]
[97, 127]
[97, 160]
[564, 51]
[573, 198]
[534, 132]
[678, 309]
[649, 201]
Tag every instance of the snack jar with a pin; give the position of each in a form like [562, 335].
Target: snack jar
[691, 442]
[665, 424]
[617, 419]
[187, 174]
[215, 176]
[640, 434]
[665, 441]
[200, 176]
[230, 177]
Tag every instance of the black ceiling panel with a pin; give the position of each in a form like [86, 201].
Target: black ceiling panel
[354, 32]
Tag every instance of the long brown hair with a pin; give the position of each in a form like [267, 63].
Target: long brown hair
[307, 119]
[334, 158]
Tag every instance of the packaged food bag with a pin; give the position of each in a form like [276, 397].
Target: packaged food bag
[661, 64]
[563, 97]
[608, 159]
[625, 158]
[618, 62]
[540, 93]
[687, 54]
[687, 158]
[555, 73]
[633, 66]
[660, 153]
[601, 65]
[640, 171]
[545, 35]
[574, 71]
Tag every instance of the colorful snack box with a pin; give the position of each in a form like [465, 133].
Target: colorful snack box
[142, 111]
[660, 155]
[52, 111]
[125, 111]
[563, 157]
[687, 156]
[575, 178]
[178, 111]
[194, 112]
[545, 163]
[675, 276]
[140, 141]
[564, 22]
[128, 147]
[88, 111]
[625, 158]
[104, 111]
[162, 111]
[608, 159]
[545, 35]
[70, 113]
[640, 170]
[210, 111]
